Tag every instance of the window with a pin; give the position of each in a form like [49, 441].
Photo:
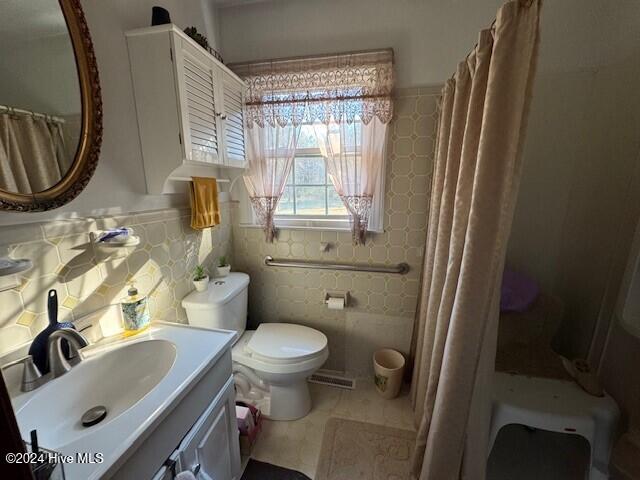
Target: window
[309, 192]
[310, 200]
[318, 92]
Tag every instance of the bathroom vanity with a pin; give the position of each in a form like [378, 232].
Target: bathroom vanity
[170, 402]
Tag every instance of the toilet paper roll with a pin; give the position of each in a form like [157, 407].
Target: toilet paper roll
[335, 303]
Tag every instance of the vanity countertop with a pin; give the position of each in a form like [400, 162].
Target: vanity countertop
[196, 351]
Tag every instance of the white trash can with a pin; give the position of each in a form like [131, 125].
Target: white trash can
[388, 366]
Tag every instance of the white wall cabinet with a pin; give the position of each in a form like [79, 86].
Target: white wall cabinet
[189, 107]
[233, 90]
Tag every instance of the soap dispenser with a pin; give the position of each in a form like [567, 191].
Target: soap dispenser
[135, 311]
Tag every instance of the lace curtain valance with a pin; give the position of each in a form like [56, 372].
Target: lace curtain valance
[340, 88]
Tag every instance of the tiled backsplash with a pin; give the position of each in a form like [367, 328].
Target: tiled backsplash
[383, 305]
[63, 259]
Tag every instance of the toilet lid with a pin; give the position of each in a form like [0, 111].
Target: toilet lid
[286, 341]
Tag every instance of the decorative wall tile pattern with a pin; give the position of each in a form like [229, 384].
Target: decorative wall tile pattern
[162, 263]
[63, 259]
[296, 295]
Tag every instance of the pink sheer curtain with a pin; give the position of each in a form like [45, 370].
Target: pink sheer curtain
[354, 153]
[339, 87]
[347, 96]
[270, 154]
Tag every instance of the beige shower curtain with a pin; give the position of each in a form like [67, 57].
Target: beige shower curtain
[475, 184]
[33, 157]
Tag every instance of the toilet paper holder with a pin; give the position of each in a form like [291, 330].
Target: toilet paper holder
[342, 295]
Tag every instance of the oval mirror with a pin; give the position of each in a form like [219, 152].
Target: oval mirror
[50, 105]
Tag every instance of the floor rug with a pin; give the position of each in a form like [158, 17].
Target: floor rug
[265, 471]
[364, 451]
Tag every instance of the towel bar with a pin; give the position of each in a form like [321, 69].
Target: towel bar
[400, 268]
[189, 179]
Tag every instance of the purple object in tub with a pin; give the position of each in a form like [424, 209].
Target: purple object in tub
[518, 292]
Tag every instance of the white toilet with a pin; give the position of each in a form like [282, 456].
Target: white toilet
[270, 364]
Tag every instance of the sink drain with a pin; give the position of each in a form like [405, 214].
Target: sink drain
[94, 416]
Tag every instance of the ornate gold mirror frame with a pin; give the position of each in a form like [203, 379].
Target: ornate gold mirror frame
[86, 158]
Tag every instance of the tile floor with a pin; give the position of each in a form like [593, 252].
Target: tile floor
[518, 452]
[296, 444]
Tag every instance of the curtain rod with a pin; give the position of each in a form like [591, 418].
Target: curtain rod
[322, 56]
[492, 27]
[19, 111]
[316, 100]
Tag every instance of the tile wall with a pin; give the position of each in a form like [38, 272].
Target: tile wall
[85, 281]
[383, 305]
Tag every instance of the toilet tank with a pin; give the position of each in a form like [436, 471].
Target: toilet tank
[222, 305]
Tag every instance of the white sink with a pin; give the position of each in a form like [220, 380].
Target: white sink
[116, 379]
[140, 380]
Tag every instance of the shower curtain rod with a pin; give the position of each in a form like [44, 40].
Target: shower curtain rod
[492, 27]
[19, 111]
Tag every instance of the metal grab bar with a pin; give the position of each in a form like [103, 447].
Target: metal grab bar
[400, 268]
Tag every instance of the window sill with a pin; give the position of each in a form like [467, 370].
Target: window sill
[301, 227]
[317, 225]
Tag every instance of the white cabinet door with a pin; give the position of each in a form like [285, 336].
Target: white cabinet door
[233, 121]
[198, 87]
[166, 472]
[211, 449]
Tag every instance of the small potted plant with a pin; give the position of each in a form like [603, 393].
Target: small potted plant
[200, 278]
[223, 267]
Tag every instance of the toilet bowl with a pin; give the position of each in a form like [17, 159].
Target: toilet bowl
[270, 364]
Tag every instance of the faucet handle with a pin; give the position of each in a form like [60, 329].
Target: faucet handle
[24, 359]
[31, 376]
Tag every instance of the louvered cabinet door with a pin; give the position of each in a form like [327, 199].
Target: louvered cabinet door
[233, 121]
[198, 84]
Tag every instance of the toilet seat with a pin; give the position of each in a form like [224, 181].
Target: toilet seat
[281, 348]
[285, 343]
